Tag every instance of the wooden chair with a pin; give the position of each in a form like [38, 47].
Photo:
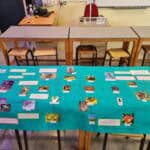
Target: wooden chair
[141, 136]
[82, 50]
[40, 52]
[117, 53]
[146, 49]
[19, 54]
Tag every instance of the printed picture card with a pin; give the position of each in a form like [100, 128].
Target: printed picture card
[66, 88]
[91, 101]
[52, 118]
[142, 96]
[9, 121]
[28, 115]
[92, 119]
[128, 119]
[115, 90]
[48, 76]
[28, 105]
[54, 100]
[109, 122]
[89, 89]
[119, 101]
[144, 78]
[48, 70]
[6, 85]
[43, 89]
[83, 106]
[28, 82]
[132, 84]
[125, 78]
[71, 70]
[109, 76]
[90, 78]
[140, 72]
[69, 78]
[39, 96]
[18, 70]
[24, 91]
[5, 107]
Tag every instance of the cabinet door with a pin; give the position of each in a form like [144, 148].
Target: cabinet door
[11, 12]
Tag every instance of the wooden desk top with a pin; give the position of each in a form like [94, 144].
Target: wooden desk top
[38, 20]
[142, 31]
[35, 32]
[102, 32]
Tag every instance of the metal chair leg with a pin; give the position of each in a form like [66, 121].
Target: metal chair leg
[17, 62]
[142, 142]
[32, 57]
[77, 57]
[18, 139]
[98, 134]
[25, 140]
[27, 60]
[59, 140]
[57, 62]
[143, 60]
[36, 61]
[104, 58]
[105, 141]
[110, 60]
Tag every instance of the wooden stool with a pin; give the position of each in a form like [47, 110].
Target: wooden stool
[86, 50]
[19, 53]
[142, 136]
[117, 53]
[45, 52]
[146, 49]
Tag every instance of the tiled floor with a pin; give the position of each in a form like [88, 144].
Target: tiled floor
[69, 141]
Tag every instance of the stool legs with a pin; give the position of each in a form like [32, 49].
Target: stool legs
[105, 141]
[59, 141]
[25, 140]
[18, 139]
[142, 142]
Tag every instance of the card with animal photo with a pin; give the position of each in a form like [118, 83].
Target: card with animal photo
[54, 100]
[92, 119]
[5, 107]
[24, 91]
[69, 78]
[89, 89]
[71, 70]
[43, 89]
[48, 76]
[90, 78]
[52, 118]
[66, 88]
[109, 76]
[132, 84]
[115, 90]
[28, 105]
[128, 119]
[91, 100]
[142, 96]
[83, 106]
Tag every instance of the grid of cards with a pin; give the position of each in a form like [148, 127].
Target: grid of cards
[27, 80]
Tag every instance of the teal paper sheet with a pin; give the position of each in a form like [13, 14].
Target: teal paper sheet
[71, 118]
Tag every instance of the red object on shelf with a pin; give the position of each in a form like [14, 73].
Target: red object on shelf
[94, 10]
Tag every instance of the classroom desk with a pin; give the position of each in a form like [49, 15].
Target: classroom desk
[72, 117]
[143, 33]
[103, 34]
[34, 34]
[38, 20]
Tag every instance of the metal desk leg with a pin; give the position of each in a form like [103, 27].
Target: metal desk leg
[148, 146]
[18, 139]
[59, 140]
[105, 141]
[142, 142]
[25, 140]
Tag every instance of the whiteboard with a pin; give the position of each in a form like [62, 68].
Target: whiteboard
[123, 3]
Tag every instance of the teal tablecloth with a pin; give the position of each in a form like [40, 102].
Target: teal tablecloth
[71, 116]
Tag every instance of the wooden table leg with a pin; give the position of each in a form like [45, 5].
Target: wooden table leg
[18, 139]
[87, 140]
[59, 140]
[69, 52]
[5, 54]
[81, 140]
[25, 140]
[135, 52]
